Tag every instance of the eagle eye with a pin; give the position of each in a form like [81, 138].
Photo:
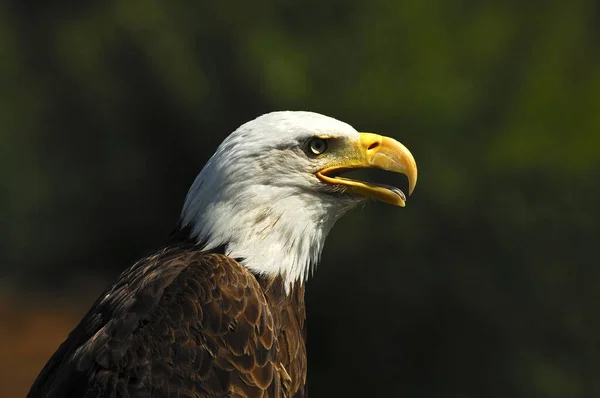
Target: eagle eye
[317, 145]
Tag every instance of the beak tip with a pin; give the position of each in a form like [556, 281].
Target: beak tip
[411, 189]
[412, 182]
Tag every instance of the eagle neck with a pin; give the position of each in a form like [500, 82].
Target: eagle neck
[275, 232]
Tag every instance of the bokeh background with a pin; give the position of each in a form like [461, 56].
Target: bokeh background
[486, 285]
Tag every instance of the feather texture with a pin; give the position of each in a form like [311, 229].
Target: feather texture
[184, 323]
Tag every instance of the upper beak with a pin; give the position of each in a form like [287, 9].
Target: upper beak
[373, 151]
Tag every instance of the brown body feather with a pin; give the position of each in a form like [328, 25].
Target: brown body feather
[184, 323]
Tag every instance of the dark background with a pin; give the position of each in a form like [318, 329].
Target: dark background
[486, 285]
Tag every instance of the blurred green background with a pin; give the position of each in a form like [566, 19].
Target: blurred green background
[486, 285]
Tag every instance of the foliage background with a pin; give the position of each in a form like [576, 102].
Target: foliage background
[486, 284]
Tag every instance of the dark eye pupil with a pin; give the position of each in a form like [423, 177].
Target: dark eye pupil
[317, 146]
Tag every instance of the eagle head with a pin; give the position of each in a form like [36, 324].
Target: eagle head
[272, 191]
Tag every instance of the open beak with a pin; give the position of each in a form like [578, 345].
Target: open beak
[373, 151]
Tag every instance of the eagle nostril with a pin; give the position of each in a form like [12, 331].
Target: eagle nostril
[373, 146]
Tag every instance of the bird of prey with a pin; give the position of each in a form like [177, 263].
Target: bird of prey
[219, 310]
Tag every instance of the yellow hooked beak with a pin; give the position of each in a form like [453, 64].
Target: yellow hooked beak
[372, 151]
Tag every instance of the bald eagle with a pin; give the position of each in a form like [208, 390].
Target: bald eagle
[219, 311]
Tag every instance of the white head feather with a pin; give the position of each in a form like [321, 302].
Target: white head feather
[259, 197]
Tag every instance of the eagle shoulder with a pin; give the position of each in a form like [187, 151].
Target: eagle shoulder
[179, 322]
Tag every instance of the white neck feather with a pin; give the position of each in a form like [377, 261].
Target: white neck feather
[283, 238]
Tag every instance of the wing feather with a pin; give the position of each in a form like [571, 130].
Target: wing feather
[179, 323]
